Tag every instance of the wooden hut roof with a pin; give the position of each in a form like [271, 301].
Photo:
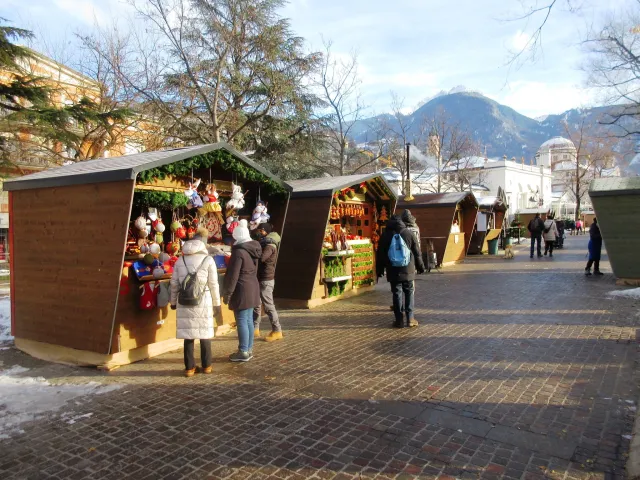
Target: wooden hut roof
[121, 168]
[326, 186]
[438, 200]
[492, 203]
[614, 186]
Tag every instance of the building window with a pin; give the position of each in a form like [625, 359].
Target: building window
[565, 156]
[554, 158]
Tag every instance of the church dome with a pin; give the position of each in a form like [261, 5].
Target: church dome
[557, 142]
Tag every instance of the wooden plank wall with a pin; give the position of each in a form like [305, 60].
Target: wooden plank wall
[618, 219]
[301, 247]
[69, 244]
[433, 222]
[469, 218]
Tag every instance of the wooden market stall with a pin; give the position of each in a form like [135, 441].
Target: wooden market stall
[616, 202]
[489, 224]
[315, 266]
[435, 214]
[89, 243]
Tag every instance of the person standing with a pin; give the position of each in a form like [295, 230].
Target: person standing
[550, 234]
[266, 276]
[579, 227]
[401, 278]
[195, 321]
[536, 227]
[242, 289]
[410, 222]
[595, 249]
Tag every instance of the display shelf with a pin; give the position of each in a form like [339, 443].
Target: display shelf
[362, 242]
[337, 279]
[339, 253]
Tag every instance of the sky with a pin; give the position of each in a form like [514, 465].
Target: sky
[415, 48]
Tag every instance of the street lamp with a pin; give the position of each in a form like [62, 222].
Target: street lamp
[408, 197]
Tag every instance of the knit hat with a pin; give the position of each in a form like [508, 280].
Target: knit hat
[407, 218]
[241, 232]
[267, 227]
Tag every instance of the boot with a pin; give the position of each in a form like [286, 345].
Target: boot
[587, 272]
[413, 322]
[206, 370]
[273, 336]
[256, 333]
[190, 373]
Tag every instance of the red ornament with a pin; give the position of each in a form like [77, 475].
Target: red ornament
[181, 233]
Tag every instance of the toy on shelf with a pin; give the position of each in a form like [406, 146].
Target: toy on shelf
[259, 215]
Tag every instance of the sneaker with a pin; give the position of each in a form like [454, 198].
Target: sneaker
[551, 255]
[413, 322]
[598, 272]
[587, 272]
[273, 336]
[241, 356]
[190, 372]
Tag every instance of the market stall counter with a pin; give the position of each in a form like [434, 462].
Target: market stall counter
[95, 242]
[489, 223]
[333, 226]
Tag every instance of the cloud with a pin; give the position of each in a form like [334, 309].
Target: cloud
[535, 98]
[84, 10]
[519, 41]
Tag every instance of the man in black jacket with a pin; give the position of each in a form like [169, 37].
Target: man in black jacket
[536, 227]
[400, 278]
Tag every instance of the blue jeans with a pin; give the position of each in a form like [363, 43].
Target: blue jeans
[244, 324]
[398, 289]
[534, 239]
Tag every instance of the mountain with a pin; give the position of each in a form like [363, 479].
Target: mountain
[499, 128]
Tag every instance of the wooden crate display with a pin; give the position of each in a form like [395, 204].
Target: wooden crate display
[363, 267]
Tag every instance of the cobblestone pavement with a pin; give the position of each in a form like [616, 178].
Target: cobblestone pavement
[519, 369]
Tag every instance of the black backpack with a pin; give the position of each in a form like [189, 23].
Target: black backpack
[192, 288]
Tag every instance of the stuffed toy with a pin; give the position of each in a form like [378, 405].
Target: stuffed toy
[231, 224]
[259, 216]
[141, 223]
[210, 199]
[236, 202]
[192, 194]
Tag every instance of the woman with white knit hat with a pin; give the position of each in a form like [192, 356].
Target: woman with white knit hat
[241, 288]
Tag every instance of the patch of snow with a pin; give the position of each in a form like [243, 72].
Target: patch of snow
[629, 293]
[24, 399]
[542, 118]
[5, 321]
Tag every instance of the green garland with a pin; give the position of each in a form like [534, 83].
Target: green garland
[161, 200]
[222, 159]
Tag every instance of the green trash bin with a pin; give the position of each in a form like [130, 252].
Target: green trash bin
[493, 246]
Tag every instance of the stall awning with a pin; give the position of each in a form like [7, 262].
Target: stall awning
[121, 168]
[325, 186]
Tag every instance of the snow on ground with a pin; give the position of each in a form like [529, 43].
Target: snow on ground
[24, 399]
[630, 293]
[5, 321]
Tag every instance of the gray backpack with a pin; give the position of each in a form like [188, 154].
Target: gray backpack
[192, 287]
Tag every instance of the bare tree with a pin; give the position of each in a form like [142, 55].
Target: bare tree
[338, 86]
[613, 69]
[451, 150]
[593, 156]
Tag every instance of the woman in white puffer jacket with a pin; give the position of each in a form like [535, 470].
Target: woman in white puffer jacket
[196, 322]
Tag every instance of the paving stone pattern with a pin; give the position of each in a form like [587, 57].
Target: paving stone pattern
[520, 369]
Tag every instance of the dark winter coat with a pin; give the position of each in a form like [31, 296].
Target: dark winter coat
[536, 226]
[241, 288]
[398, 274]
[410, 222]
[595, 242]
[269, 258]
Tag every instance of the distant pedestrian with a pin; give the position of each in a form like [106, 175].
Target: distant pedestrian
[536, 227]
[579, 230]
[550, 234]
[195, 321]
[399, 243]
[242, 289]
[560, 225]
[266, 277]
[595, 249]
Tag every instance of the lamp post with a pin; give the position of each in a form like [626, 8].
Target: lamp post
[408, 197]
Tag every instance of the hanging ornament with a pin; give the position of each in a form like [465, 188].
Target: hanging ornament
[141, 223]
